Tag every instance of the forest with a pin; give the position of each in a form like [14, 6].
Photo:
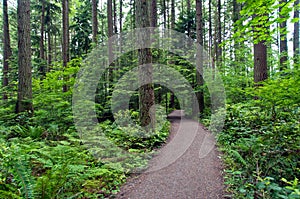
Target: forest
[82, 106]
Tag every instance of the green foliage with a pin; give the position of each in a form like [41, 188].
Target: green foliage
[261, 140]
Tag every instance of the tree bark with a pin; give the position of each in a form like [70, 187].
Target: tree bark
[153, 13]
[283, 41]
[121, 16]
[296, 46]
[24, 101]
[95, 20]
[172, 14]
[6, 49]
[199, 71]
[42, 48]
[146, 91]
[188, 6]
[219, 36]
[110, 25]
[260, 62]
[115, 17]
[66, 37]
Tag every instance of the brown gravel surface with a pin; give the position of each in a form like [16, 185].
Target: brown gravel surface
[188, 166]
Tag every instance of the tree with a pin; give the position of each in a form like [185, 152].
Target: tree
[199, 77]
[219, 35]
[42, 46]
[95, 20]
[153, 13]
[24, 101]
[296, 46]
[146, 91]
[66, 36]
[6, 49]
[110, 26]
[283, 38]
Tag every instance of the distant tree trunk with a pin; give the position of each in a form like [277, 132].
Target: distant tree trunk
[6, 49]
[219, 35]
[110, 25]
[121, 16]
[66, 37]
[188, 6]
[209, 29]
[24, 101]
[296, 46]
[42, 66]
[153, 13]
[172, 14]
[115, 17]
[199, 77]
[146, 91]
[95, 20]
[49, 49]
[283, 41]
[260, 62]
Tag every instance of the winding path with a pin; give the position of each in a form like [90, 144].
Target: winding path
[188, 166]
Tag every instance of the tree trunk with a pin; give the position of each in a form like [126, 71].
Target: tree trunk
[24, 101]
[115, 17]
[95, 20]
[146, 91]
[121, 16]
[260, 62]
[6, 49]
[49, 49]
[153, 13]
[66, 37]
[283, 41]
[199, 71]
[296, 47]
[110, 24]
[42, 48]
[188, 6]
[172, 14]
[219, 36]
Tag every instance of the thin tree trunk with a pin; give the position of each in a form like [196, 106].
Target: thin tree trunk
[188, 5]
[110, 25]
[219, 36]
[121, 16]
[283, 41]
[199, 71]
[49, 49]
[95, 20]
[115, 17]
[6, 49]
[66, 37]
[42, 41]
[146, 91]
[172, 14]
[24, 101]
[296, 47]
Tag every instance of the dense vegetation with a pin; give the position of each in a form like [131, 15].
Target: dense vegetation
[42, 155]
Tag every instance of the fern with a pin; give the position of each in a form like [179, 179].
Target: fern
[235, 154]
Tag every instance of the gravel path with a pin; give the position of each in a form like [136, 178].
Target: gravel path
[187, 167]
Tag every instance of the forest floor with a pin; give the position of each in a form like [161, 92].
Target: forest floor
[187, 166]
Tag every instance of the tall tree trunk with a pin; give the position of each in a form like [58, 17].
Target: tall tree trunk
[42, 42]
[121, 16]
[199, 71]
[219, 36]
[66, 37]
[110, 25]
[6, 49]
[209, 29]
[146, 91]
[283, 40]
[24, 101]
[153, 13]
[188, 6]
[296, 46]
[49, 49]
[115, 17]
[95, 20]
[260, 62]
[172, 14]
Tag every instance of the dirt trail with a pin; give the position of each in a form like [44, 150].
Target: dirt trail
[188, 166]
